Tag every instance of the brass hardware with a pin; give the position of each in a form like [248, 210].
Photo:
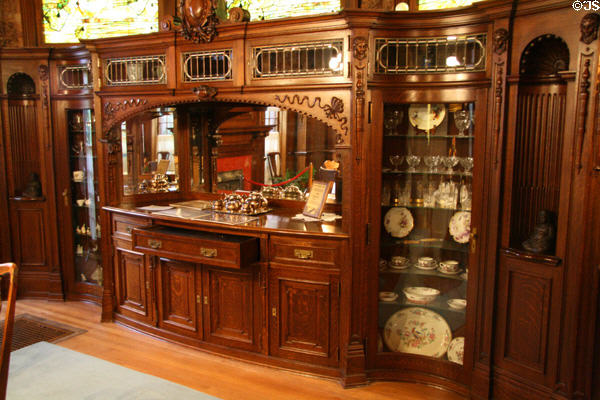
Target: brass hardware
[198, 299]
[128, 229]
[65, 195]
[303, 254]
[473, 240]
[155, 244]
[274, 311]
[148, 285]
[205, 299]
[206, 252]
[597, 168]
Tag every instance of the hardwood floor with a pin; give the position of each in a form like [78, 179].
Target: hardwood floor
[214, 375]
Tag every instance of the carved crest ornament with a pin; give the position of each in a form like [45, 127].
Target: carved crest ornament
[589, 27]
[197, 20]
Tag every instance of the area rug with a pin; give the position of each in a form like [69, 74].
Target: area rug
[29, 329]
[46, 371]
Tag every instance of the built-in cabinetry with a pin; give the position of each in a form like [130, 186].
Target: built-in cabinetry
[453, 130]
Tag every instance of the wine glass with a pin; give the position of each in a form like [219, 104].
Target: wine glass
[462, 120]
[467, 163]
[413, 161]
[432, 162]
[450, 162]
[396, 161]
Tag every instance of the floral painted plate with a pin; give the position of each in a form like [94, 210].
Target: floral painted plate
[398, 222]
[456, 350]
[460, 226]
[419, 331]
[426, 116]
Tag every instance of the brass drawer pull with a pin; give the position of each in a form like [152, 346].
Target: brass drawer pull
[155, 244]
[128, 229]
[303, 254]
[206, 252]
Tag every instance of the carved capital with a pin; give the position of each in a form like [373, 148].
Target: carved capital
[589, 28]
[205, 92]
[360, 47]
[43, 71]
[500, 39]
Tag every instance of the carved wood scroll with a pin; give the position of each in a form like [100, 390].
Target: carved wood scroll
[333, 111]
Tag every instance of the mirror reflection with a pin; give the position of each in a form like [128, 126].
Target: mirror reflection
[150, 161]
[219, 148]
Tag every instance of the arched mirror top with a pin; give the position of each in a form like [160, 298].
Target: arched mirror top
[20, 85]
[219, 147]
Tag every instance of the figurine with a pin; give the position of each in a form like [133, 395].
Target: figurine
[34, 187]
[542, 238]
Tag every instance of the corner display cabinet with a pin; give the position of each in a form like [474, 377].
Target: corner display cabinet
[453, 130]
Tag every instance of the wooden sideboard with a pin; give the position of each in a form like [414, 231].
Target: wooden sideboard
[268, 292]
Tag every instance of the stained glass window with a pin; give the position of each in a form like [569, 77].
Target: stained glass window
[66, 21]
[273, 9]
[440, 4]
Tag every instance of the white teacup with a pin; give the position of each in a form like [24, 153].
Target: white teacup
[449, 266]
[399, 260]
[426, 262]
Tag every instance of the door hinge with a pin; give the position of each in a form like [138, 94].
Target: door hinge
[274, 311]
[206, 300]
[147, 285]
[198, 299]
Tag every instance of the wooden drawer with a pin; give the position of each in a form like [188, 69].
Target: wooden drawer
[230, 251]
[122, 225]
[311, 252]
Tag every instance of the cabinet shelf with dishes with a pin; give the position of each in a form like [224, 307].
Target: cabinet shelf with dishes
[427, 165]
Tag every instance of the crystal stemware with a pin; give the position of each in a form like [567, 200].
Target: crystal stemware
[413, 161]
[467, 163]
[396, 161]
[450, 162]
[462, 120]
[432, 162]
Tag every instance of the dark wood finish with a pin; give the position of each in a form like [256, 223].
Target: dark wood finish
[12, 271]
[221, 250]
[315, 253]
[178, 299]
[232, 308]
[304, 313]
[134, 283]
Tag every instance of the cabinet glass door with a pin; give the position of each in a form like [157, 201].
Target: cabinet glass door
[426, 197]
[86, 226]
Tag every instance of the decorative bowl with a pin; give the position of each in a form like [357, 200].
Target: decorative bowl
[420, 294]
[388, 296]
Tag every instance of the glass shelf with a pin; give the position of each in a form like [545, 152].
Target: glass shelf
[383, 206]
[416, 271]
[432, 136]
[446, 173]
[441, 244]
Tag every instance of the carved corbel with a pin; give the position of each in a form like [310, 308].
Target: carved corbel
[205, 92]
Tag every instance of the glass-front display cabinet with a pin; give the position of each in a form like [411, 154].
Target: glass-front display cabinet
[426, 199]
[84, 194]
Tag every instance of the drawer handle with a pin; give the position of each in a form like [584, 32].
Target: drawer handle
[155, 244]
[206, 252]
[128, 229]
[303, 254]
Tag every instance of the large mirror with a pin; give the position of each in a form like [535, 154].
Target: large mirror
[224, 147]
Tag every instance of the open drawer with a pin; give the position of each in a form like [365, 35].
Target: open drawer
[230, 251]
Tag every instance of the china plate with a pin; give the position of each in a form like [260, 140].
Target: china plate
[460, 226]
[398, 222]
[417, 330]
[456, 350]
[426, 116]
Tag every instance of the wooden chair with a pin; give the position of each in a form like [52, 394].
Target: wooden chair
[9, 320]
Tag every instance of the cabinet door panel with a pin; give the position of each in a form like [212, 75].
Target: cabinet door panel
[304, 311]
[231, 308]
[133, 283]
[178, 305]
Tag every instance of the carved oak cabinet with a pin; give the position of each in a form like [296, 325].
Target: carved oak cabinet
[452, 129]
